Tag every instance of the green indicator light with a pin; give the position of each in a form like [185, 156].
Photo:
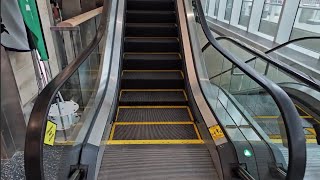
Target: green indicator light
[247, 153]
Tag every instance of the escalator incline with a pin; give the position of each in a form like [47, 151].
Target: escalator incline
[154, 134]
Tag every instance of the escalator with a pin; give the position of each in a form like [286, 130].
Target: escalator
[154, 135]
[153, 112]
[301, 86]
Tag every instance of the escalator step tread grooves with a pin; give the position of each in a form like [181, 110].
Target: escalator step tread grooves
[153, 98]
[153, 115]
[155, 132]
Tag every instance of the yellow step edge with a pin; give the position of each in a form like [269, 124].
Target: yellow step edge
[152, 123]
[155, 107]
[154, 90]
[190, 114]
[278, 136]
[312, 131]
[302, 109]
[197, 131]
[275, 117]
[112, 132]
[147, 70]
[123, 71]
[152, 37]
[153, 53]
[152, 107]
[171, 90]
[308, 141]
[164, 141]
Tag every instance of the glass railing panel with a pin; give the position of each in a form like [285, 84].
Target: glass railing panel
[71, 111]
[246, 111]
[269, 119]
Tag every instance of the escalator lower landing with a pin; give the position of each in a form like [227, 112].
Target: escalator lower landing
[154, 134]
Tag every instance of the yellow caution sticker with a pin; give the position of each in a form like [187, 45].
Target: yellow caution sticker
[50, 134]
[216, 132]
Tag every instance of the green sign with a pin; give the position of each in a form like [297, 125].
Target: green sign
[30, 16]
[247, 153]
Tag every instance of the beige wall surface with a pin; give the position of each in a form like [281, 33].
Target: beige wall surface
[24, 73]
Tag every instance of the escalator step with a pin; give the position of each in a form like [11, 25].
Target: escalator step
[165, 5]
[151, 45]
[149, 114]
[150, 16]
[155, 132]
[151, 30]
[152, 80]
[152, 61]
[152, 97]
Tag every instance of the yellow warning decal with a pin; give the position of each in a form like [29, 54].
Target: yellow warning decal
[50, 134]
[216, 132]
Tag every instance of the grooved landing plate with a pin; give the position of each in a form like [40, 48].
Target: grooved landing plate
[157, 162]
[153, 115]
[154, 132]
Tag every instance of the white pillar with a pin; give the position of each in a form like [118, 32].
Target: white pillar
[236, 10]
[211, 7]
[255, 17]
[286, 21]
[222, 10]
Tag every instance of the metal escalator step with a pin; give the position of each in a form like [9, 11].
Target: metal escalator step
[165, 5]
[155, 114]
[138, 97]
[134, 16]
[151, 30]
[148, 44]
[155, 132]
[152, 61]
[157, 162]
[152, 79]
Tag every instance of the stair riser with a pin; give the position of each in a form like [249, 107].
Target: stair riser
[149, 5]
[150, 18]
[152, 64]
[151, 32]
[151, 84]
[151, 47]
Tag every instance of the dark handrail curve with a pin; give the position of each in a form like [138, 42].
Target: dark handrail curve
[294, 131]
[33, 152]
[283, 66]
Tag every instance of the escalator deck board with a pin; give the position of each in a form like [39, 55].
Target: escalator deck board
[155, 132]
[160, 114]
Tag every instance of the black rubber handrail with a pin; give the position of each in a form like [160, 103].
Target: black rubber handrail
[290, 116]
[283, 66]
[33, 152]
